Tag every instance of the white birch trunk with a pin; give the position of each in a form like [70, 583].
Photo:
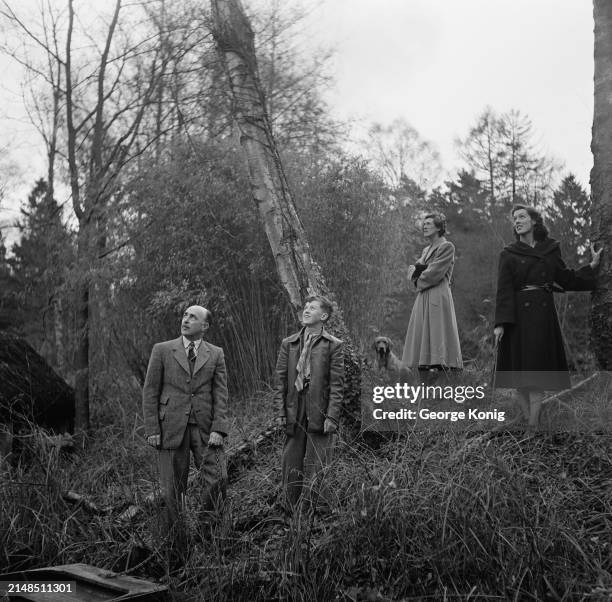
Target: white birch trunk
[298, 272]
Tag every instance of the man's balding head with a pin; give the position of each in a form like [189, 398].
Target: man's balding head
[199, 311]
[195, 322]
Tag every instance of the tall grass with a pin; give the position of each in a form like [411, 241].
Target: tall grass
[509, 519]
[516, 520]
[40, 527]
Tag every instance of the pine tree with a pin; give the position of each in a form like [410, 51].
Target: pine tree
[38, 264]
[569, 221]
[570, 218]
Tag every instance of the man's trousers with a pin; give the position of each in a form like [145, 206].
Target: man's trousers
[174, 470]
[305, 455]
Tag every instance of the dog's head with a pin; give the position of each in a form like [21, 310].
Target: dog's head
[382, 347]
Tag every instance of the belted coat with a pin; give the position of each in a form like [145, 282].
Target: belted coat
[170, 392]
[432, 338]
[326, 389]
[531, 352]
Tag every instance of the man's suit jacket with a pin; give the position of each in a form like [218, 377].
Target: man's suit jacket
[326, 388]
[170, 392]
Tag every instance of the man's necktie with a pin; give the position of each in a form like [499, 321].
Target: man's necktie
[191, 355]
[303, 365]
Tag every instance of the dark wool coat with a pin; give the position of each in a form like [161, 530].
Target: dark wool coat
[326, 390]
[170, 392]
[531, 353]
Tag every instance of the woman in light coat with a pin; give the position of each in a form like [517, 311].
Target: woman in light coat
[432, 340]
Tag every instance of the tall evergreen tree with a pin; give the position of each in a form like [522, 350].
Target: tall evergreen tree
[38, 264]
[570, 217]
[569, 220]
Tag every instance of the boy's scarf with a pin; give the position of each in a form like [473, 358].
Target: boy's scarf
[303, 365]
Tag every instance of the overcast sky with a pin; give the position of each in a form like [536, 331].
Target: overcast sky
[435, 63]
[439, 63]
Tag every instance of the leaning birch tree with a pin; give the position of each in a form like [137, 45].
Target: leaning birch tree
[601, 182]
[299, 274]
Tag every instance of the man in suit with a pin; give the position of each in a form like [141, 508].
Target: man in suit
[308, 397]
[185, 409]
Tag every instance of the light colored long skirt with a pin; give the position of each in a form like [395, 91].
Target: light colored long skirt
[432, 338]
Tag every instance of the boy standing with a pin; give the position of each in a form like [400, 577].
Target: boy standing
[308, 397]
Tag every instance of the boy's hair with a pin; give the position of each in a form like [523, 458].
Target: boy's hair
[324, 302]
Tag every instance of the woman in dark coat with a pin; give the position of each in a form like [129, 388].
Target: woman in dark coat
[530, 350]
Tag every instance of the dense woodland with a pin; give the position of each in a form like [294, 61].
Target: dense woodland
[146, 207]
[160, 212]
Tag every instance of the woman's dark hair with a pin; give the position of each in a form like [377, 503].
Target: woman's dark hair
[439, 220]
[540, 231]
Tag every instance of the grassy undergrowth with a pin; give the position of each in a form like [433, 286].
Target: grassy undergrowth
[415, 519]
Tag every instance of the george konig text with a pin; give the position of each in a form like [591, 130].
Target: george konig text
[427, 414]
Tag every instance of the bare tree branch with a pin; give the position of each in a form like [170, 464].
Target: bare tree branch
[74, 178]
[10, 14]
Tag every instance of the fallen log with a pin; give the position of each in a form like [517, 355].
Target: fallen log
[82, 501]
[243, 456]
[576, 387]
[238, 458]
[474, 441]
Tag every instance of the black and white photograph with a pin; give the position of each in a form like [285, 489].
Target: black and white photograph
[306, 300]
